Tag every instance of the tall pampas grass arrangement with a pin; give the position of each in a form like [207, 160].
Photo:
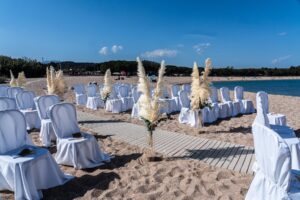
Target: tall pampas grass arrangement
[149, 106]
[200, 90]
[21, 81]
[55, 82]
[13, 81]
[107, 86]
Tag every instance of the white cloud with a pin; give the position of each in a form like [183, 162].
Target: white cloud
[200, 48]
[160, 53]
[103, 51]
[282, 33]
[280, 59]
[116, 48]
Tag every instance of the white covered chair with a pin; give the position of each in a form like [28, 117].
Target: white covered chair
[25, 103]
[114, 105]
[274, 179]
[93, 98]
[82, 152]
[246, 106]
[135, 95]
[275, 119]
[184, 114]
[186, 87]
[221, 110]
[80, 94]
[3, 90]
[233, 106]
[13, 91]
[43, 104]
[127, 102]
[25, 175]
[7, 104]
[175, 90]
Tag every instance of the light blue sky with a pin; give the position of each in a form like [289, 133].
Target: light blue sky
[240, 33]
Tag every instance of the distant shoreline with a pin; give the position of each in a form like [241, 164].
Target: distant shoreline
[254, 78]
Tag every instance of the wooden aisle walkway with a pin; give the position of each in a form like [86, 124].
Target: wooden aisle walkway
[215, 153]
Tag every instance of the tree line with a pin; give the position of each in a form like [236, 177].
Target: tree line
[34, 68]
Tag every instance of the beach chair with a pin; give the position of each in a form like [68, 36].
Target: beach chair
[25, 168]
[93, 98]
[233, 106]
[127, 102]
[7, 104]
[221, 110]
[43, 104]
[135, 95]
[74, 148]
[3, 90]
[13, 91]
[80, 94]
[25, 103]
[246, 106]
[274, 179]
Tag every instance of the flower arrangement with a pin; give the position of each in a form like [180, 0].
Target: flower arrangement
[200, 90]
[19, 82]
[107, 86]
[13, 81]
[149, 106]
[55, 82]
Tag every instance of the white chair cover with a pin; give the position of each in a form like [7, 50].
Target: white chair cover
[13, 91]
[25, 102]
[3, 90]
[114, 105]
[93, 99]
[274, 179]
[246, 106]
[186, 87]
[233, 106]
[80, 95]
[43, 104]
[127, 102]
[221, 110]
[7, 104]
[184, 114]
[78, 152]
[135, 108]
[175, 90]
[27, 175]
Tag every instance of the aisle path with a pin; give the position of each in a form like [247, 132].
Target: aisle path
[215, 153]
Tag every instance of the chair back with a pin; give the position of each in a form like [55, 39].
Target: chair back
[225, 95]
[272, 155]
[214, 95]
[238, 93]
[175, 89]
[43, 104]
[123, 91]
[3, 90]
[184, 99]
[186, 87]
[261, 102]
[135, 94]
[13, 91]
[12, 130]
[79, 89]
[91, 90]
[7, 104]
[64, 120]
[25, 100]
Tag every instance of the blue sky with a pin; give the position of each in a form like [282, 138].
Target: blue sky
[239, 33]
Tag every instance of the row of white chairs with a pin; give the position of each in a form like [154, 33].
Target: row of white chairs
[38, 170]
[218, 110]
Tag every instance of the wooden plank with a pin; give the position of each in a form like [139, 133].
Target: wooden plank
[232, 155]
[176, 147]
[247, 160]
[187, 143]
[249, 171]
[182, 152]
[241, 161]
[236, 158]
[206, 150]
[225, 156]
[220, 154]
[174, 141]
[212, 151]
[194, 152]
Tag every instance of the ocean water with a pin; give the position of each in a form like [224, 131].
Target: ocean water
[280, 87]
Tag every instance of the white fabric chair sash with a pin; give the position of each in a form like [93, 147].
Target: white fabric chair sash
[7, 104]
[26, 175]
[81, 152]
[3, 90]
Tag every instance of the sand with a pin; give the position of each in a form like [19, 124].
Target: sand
[128, 176]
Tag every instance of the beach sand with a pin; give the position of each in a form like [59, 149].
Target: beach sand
[126, 177]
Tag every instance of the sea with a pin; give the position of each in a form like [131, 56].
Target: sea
[279, 87]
